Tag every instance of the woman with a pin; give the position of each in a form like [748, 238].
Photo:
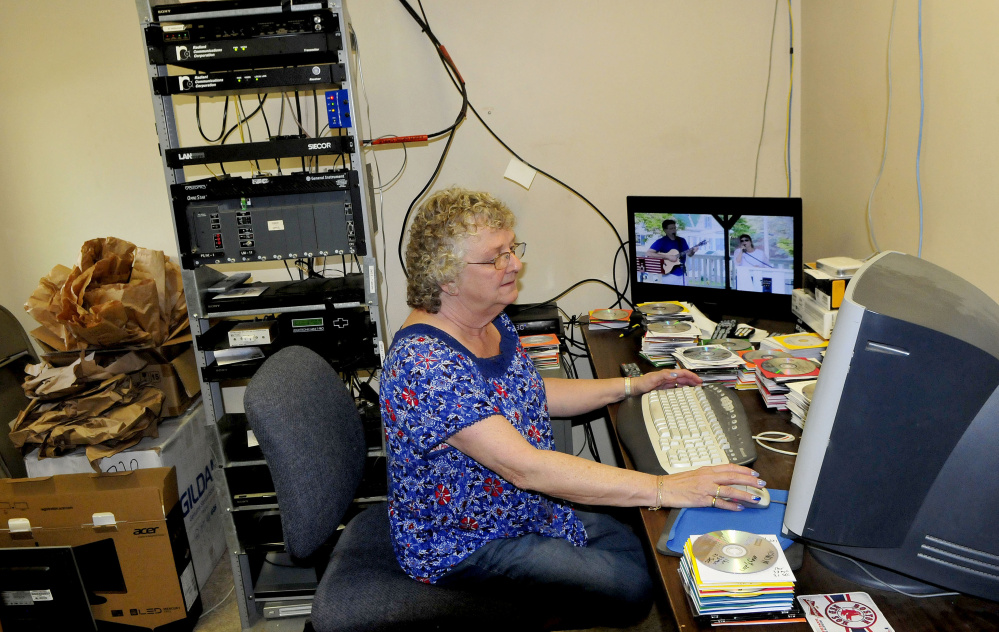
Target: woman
[476, 491]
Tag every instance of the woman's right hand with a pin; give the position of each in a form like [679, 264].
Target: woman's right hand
[708, 486]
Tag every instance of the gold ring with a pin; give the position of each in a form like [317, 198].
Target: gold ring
[714, 500]
[717, 491]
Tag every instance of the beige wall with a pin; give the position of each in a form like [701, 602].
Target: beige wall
[654, 97]
[843, 113]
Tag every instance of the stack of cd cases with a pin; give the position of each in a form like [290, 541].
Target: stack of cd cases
[737, 578]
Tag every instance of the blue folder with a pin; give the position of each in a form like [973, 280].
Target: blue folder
[701, 520]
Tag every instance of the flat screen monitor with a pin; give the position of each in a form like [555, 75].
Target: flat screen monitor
[733, 256]
[41, 589]
[896, 475]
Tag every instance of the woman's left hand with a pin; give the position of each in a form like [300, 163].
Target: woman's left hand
[667, 378]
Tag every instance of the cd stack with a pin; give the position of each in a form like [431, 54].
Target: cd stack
[713, 363]
[807, 345]
[738, 578]
[798, 400]
[542, 349]
[663, 338]
[774, 375]
[663, 312]
[610, 318]
[746, 378]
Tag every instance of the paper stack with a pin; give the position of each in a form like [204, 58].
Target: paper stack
[734, 577]
[542, 349]
[798, 400]
[610, 318]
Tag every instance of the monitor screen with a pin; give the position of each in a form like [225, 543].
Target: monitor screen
[727, 255]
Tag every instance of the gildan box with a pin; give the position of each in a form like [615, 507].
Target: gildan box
[128, 537]
[182, 444]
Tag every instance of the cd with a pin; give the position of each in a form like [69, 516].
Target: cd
[609, 314]
[533, 340]
[764, 354]
[732, 344]
[808, 391]
[733, 551]
[788, 366]
[707, 354]
[803, 340]
[660, 309]
[670, 328]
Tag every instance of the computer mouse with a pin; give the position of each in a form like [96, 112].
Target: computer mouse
[762, 493]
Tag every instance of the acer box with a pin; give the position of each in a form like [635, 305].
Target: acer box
[127, 535]
[182, 444]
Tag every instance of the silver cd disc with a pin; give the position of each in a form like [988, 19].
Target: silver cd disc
[764, 354]
[735, 551]
[788, 366]
[803, 340]
[670, 328]
[808, 391]
[706, 354]
[732, 344]
[660, 309]
[609, 314]
[531, 340]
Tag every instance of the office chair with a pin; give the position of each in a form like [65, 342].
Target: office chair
[311, 435]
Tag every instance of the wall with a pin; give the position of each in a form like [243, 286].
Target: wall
[844, 104]
[653, 98]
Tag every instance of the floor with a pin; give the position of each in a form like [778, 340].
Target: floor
[222, 614]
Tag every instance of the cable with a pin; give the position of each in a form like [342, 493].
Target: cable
[773, 436]
[790, 93]
[206, 612]
[197, 115]
[766, 96]
[884, 153]
[919, 145]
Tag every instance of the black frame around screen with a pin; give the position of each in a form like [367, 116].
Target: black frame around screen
[716, 302]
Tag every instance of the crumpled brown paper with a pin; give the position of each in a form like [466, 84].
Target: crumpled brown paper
[117, 295]
[106, 409]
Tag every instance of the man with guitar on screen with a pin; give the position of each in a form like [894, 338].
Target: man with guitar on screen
[673, 251]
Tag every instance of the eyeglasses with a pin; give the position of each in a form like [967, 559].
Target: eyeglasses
[503, 260]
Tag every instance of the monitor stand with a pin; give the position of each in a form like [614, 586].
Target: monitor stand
[861, 573]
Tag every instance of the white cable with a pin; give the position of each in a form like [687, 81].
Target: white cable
[773, 436]
[205, 613]
[884, 154]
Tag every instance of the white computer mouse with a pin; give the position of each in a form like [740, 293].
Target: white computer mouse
[762, 493]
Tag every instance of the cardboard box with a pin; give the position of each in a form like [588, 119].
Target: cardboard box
[172, 367]
[136, 562]
[823, 288]
[183, 445]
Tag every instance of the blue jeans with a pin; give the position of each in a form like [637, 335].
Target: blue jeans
[604, 583]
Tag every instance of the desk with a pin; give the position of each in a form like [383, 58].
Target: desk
[607, 351]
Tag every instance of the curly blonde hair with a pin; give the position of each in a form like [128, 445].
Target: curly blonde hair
[437, 238]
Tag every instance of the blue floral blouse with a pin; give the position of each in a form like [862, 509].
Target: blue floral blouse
[444, 505]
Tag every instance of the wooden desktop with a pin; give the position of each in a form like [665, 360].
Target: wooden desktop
[608, 350]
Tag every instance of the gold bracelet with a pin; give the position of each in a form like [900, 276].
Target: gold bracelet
[659, 494]
[627, 387]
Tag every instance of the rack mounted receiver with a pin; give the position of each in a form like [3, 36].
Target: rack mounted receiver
[235, 187]
[314, 77]
[243, 52]
[285, 148]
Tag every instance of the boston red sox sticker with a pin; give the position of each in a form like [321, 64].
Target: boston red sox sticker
[843, 612]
